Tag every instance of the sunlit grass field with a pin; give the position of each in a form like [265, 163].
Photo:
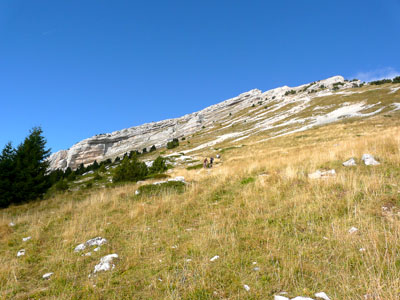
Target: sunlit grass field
[273, 228]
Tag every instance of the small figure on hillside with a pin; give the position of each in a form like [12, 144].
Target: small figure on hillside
[211, 161]
[205, 163]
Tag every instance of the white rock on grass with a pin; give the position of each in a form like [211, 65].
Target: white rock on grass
[21, 253]
[47, 275]
[302, 298]
[97, 241]
[11, 224]
[105, 263]
[25, 239]
[137, 192]
[278, 297]
[350, 162]
[322, 174]
[214, 258]
[353, 230]
[369, 160]
[322, 295]
[246, 287]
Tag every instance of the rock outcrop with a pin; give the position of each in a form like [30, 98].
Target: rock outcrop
[111, 145]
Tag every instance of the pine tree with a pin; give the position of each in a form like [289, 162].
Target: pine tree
[31, 167]
[7, 175]
[153, 148]
[159, 165]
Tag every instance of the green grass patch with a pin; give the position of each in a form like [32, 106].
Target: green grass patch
[195, 167]
[162, 188]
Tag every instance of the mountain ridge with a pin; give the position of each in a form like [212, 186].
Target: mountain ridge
[111, 145]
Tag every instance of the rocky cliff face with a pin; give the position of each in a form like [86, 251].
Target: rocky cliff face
[117, 143]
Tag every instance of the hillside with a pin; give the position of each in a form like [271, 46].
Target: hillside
[252, 227]
[272, 113]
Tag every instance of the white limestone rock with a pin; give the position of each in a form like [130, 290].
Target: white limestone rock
[353, 230]
[369, 160]
[11, 224]
[97, 241]
[214, 258]
[246, 287]
[105, 263]
[350, 162]
[21, 253]
[117, 143]
[278, 297]
[322, 295]
[47, 275]
[322, 174]
[25, 239]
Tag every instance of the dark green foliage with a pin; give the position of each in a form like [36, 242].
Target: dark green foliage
[396, 79]
[117, 159]
[291, 92]
[80, 170]
[159, 165]
[173, 144]
[144, 150]
[61, 185]
[182, 139]
[23, 170]
[7, 175]
[153, 148]
[382, 81]
[130, 170]
[72, 176]
[166, 187]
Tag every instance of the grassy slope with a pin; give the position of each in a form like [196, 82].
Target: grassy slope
[257, 205]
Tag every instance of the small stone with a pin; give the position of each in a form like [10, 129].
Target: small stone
[353, 230]
[137, 192]
[188, 260]
[21, 253]
[214, 258]
[47, 275]
[369, 160]
[88, 254]
[350, 162]
[302, 298]
[362, 250]
[11, 224]
[105, 263]
[322, 174]
[96, 249]
[246, 287]
[80, 247]
[254, 262]
[322, 295]
[25, 239]
[278, 297]
[256, 269]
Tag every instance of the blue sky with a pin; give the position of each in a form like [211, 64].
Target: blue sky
[79, 68]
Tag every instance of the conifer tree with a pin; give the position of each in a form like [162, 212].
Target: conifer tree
[31, 167]
[7, 175]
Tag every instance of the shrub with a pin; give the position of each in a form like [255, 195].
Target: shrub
[173, 144]
[396, 79]
[61, 185]
[153, 148]
[291, 92]
[159, 165]
[130, 170]
[379, 82]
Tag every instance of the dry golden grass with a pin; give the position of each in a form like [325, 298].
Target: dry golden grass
[256, 205]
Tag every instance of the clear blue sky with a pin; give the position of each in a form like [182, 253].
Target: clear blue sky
[79, 68]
